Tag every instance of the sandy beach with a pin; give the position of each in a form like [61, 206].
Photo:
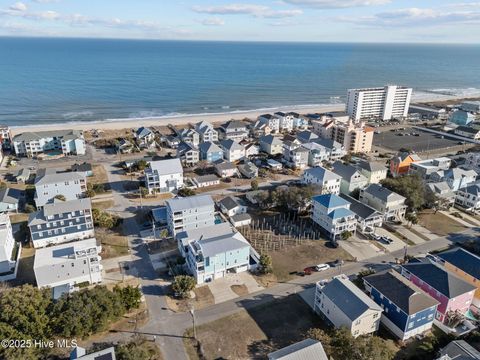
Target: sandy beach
[214, 118]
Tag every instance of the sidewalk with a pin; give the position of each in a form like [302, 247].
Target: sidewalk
[410, 235]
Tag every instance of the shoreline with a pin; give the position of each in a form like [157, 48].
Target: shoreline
[184, 119]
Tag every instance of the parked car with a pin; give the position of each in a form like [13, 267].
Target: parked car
[322, 267]
[386, 239]
[375, 237]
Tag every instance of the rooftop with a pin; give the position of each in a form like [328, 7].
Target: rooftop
[331, 201]
[167, 167]
[58, 207]
[231, 145]
[51, 176]
[191, 202]
[346, 171]
[382, 193]
[307, 349]
[464, 260]
[37, 135]
[438, 278]
[363, 211]
[408, 297]
[352, 301]
[322, 173]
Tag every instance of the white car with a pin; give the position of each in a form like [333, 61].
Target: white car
[322, 267]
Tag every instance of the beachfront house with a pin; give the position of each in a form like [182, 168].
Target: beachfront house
[214, 252]
[232, 150]
[352, 179]
[332, 213]
[468, 197]
[328, 181]
[466, 266]
[271, 145]
[285, 121]
[387, 202]
[343, 304]
[260, 128]
[407, 310]
[55, 142]
[233, 130]
[64, 267]
[145, 137]
[456, 178]
[49, 183]
[226, 169]
[61, 222]
[188, 154]
[373, 171]
[124, 146]
[210, 152]
[9, 250]
[189, 136]
[206, 131]
[5, 137]
[271, 121]
[190, 213]
[454, 294]
[164, 176]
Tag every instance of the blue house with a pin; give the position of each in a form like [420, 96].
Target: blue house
[210, 152]
[407, 310]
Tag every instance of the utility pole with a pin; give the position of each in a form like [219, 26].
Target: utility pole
[192, 312]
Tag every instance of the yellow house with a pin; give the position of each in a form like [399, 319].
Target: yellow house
[465, 265]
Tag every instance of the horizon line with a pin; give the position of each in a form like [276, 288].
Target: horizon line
[239, 41]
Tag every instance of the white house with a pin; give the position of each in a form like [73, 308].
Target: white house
[232, 206]
[8, 261]
[389, 203]
[145, 137]
[468, 197]
[317, 154]
[164, 176]
[226, 169]
[455, 178]
[327, 180]
[61, 222]
[232, 150]
[234, 130]
[335, 149]
[344, 305]
[191, 212]
[206, 131]
[206, 180]
[49, 183]
[472, 162]
[273, 122]
[285, 121]
[188, 154]
[65, 142]
[333, 215]
[64, 266]
[9, 199]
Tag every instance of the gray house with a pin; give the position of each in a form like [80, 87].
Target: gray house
[352, 178]
[190, 213]
[9, 199]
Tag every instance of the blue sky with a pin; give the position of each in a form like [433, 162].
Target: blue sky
[441, 21]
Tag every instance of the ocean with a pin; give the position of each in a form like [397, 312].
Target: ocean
[48, 80]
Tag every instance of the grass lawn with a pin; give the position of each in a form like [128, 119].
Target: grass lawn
[439, 224]
[252, 334]
[203, 298]
[297, 258]
[18, 218]
[113, 243]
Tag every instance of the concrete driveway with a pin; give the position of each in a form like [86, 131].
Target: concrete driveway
[222, 288]
[396, 245]
[360, 249]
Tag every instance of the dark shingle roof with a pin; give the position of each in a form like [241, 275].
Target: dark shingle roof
[440, 279]
[408, 297]
[362, 210]
[464, 260]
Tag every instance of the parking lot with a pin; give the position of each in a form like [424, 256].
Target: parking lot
[425, 141]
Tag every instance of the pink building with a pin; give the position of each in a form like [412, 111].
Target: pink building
[454, 294]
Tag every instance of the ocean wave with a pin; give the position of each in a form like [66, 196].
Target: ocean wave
[460, 92]
[78, 114]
